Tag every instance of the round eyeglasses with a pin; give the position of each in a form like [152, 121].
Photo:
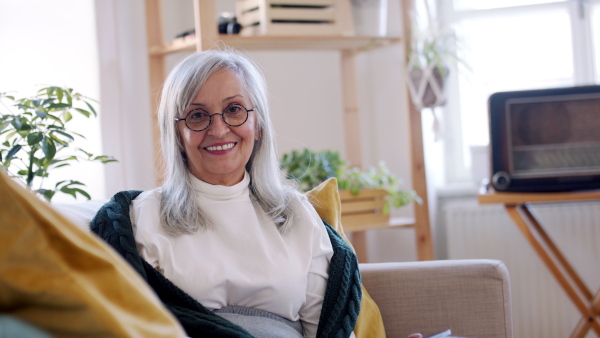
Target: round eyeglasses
[199, 119]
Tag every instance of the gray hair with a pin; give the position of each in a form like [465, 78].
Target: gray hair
[271, 191]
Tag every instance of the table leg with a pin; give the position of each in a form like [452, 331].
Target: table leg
[556, 252]
[531, 234]
[582, 328]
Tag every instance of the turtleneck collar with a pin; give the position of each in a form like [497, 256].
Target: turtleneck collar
[221, 192]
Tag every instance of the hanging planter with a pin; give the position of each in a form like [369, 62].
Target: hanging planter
[427, 70]
[427, 85]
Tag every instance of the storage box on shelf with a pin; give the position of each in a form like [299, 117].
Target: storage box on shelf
[290, 17]
[364, 208]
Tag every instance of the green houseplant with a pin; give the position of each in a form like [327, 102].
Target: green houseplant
[312, 168]
[35, 140]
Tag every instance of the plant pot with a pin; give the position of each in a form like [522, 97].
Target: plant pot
[362, 209]
[427, 86]
[370, 17]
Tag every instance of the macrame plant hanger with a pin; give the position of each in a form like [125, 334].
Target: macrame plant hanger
[425, 80]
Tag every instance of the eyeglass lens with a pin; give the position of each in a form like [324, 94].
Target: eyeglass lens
[199, 119]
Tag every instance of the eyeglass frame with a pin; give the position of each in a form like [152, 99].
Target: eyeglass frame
[211, 115]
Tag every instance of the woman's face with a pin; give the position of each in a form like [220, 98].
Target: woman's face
[218, 154]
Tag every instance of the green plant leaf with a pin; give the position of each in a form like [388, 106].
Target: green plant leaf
[41, 114]
[11, 153]
[89, 155]
[53, 117]
[24, 130]
[57, 106]
[83, 112]
[4, 125]
[68, 189]
[47, 102]
[34, 138]
[91, 108]
[67, 117]
[59, 94]
[48, 148]
[16, 122]
[64, 134]
[78, 134]
[59, 141]
[47, 194]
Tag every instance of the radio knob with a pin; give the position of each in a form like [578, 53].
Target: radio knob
[501, 180]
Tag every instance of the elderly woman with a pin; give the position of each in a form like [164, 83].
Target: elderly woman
[229, 245]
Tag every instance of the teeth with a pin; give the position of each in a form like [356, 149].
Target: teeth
[221, 147]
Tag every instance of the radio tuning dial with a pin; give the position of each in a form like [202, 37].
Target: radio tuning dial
[501, 180]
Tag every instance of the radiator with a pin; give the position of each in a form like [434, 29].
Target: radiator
[540, 307]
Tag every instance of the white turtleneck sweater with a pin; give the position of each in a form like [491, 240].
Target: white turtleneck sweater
[243, 260]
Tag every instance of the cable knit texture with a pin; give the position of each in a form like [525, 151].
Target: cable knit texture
[342, 295]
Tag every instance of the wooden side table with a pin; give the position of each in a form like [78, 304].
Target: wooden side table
[517, 205]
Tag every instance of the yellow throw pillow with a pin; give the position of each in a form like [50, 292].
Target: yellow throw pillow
[67, 282]
[326, 200]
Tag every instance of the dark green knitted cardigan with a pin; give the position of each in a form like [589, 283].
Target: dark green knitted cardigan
[341, 304]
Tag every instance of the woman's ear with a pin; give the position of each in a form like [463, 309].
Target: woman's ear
[258, 134]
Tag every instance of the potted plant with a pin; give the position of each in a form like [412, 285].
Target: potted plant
[366, 194]
[35, 140]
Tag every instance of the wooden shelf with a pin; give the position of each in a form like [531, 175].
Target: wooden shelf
[512, 198]
[353, 43]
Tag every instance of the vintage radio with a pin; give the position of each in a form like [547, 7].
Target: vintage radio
[545, 140]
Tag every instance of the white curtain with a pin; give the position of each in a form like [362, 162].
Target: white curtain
[125, 94]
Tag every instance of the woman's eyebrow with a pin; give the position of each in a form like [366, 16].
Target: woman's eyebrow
[232, 97]
[223, 101]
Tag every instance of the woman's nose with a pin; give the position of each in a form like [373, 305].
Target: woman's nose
[218, 127]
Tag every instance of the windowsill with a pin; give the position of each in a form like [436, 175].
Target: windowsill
[457, 190]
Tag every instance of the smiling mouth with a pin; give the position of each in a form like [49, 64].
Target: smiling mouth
[221, 147]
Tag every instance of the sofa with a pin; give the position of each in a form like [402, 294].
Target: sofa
[470, 297]
[57, 277]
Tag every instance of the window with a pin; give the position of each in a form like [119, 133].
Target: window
[54, 43]
[512, 45]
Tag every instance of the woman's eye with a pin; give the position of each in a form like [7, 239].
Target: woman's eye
[234, 109]
[198, 115]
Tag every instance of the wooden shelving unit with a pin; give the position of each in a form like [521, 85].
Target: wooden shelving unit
[207, 37]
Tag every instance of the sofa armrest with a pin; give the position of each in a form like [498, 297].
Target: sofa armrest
[470, 297]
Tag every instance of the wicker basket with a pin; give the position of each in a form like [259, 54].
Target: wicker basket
[289, 17]
[364, 208]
